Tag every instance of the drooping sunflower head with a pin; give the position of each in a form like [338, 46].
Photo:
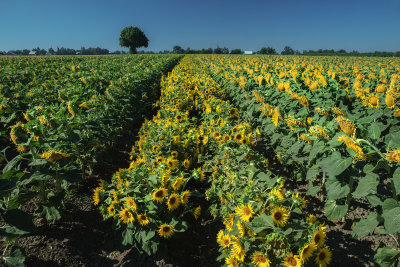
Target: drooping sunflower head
[173, 201]
[165, 230]
[280, 215]
[393, 155]
[159, 195]
[319, 237]
[307, 251]
[185, 197]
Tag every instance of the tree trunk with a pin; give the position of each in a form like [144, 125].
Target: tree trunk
[132, 50]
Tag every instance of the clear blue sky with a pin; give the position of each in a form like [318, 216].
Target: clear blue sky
[362, 25]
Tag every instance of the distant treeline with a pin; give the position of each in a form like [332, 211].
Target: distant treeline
[219, 50]
[62, 51]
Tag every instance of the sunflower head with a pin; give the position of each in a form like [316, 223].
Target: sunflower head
[280, 215]
[165, 230]
[173, 201]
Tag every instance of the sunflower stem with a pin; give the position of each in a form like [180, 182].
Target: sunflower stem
[323, 185]
[348, 198]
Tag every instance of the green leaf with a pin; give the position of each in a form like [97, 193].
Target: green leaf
[261, 223]
[333, 211]
[396, 180]
[365, 226]
[374, 200]
[20, 220]
[153, 179]
[374, 131]
[335, 190]
[50, 213]
[392, 220]
[127, 237]
[335, 164]
[366, 186]
[313, 190]
[312, 172]
[17, 257]
[38, 162]
[386, 256]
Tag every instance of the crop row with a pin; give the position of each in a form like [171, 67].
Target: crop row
[333, 123]
[57, 115]
[196, 149]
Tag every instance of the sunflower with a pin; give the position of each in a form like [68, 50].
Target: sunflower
[390, 101]
[159, 195]
[227, 138]
[131, 203]
[224, 241]
[276, 194]
[307, 251]
[275, 117]
[280, 215]
[96, 196]
[231, 262]
[155, 149]
[186, 163]
[197, 212]
[260, 260]
[178, 183]
[111, 210]
[238, 251]
[324, 257]
[233, 112]
[143, 219]
[393, 155]
[217, 135]
[291, 260]
[373, 101]
[245, 212]
[174, 154]
[185, 197]
[241, 228]
[173, 201]
[126, 216]
[178, 118]
[165, 230]
[172, 163]
[319, 237]
[205, 139]
[239, 137]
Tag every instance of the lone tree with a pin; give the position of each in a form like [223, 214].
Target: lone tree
[133, 37]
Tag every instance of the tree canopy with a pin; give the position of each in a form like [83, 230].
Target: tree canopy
[133, 37]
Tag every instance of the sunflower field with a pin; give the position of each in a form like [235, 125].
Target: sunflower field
[252, 141]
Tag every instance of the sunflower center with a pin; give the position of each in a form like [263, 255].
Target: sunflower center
[292, 261]
[277, 216]
[246, 211]
[317, 238]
